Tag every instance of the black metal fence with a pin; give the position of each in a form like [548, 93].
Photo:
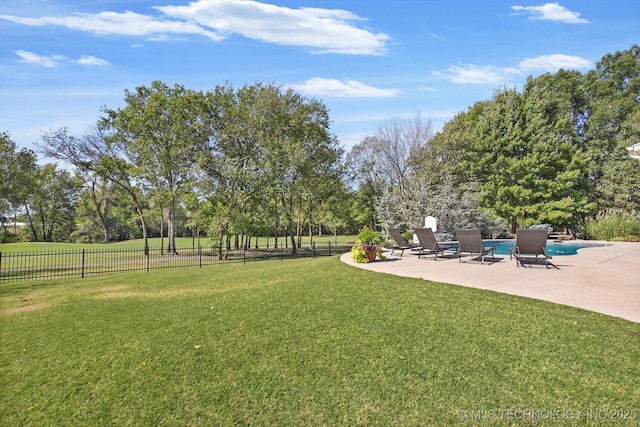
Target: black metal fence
[16, 266]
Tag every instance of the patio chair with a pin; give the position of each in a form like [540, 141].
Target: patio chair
[531, 247]
[470, 241]
[401, 243]
[429, 245]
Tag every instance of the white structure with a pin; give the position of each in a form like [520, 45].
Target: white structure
[634, 151]
[431, 222]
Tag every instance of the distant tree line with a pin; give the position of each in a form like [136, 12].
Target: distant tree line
[236, 164]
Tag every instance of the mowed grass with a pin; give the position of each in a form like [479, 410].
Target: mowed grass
[156, 242]
[302, 342]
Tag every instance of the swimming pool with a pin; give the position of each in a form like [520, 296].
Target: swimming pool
[554, 247]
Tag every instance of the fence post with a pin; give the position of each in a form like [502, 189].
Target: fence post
[146, 251]
[200, 254]
[329, 247]
[244, 255]
[313, 249]
[82, 275]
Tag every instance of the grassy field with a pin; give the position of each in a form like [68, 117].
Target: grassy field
[305, 342]
[153, 242]
[45, 260]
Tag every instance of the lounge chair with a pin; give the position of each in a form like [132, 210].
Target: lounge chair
[470, 241]
[429, 245]
[401, 243]
[531, 247]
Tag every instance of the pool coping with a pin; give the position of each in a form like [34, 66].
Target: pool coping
[602, 279]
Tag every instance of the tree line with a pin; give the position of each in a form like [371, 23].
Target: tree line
[238, 163]
[553, 153]
[225, 162]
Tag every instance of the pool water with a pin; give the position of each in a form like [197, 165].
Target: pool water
[553, 247]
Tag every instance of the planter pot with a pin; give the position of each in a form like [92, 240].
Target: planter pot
[371, 255]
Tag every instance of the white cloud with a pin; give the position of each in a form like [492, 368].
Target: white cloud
[555, 62]
[92, 61]
[321, 30]
[49, 61]
[551, 12]
[52, 61]
[113, 23]
[318, 86]
[472, 74]
[437, 37]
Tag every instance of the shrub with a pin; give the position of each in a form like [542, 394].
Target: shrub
[367, 240]
[357, 253]
[614, 227]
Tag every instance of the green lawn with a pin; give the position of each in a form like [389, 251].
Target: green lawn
[185, 242]
[38, 260]
[304, 342]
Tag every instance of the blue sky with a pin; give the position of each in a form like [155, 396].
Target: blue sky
[367, 60]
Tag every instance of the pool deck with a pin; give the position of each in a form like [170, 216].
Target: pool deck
[601, 279]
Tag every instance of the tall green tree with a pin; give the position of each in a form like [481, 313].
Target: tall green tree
[612, 90]
[232, 177]
[335, 208]
[366, 184]
[104, 212]
[523, 156]
[51, 208]
[94, 209]
[94, 153]
[444, 185]
[17, 179]
[163, 132]
[298, 149]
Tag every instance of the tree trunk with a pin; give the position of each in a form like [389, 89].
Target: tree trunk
[126, 186]
[171, 229]
[300, 226]
[103, 217]
[310, 225]
[294, 247]
[277, 224]
[145, 235]
[5, 232]
[161, 230]
[43, 222]
[289, 215]
[31, 224]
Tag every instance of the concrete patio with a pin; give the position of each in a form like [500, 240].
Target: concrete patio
[601, 279]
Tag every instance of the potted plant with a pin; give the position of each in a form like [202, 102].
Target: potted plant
[368, 245]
